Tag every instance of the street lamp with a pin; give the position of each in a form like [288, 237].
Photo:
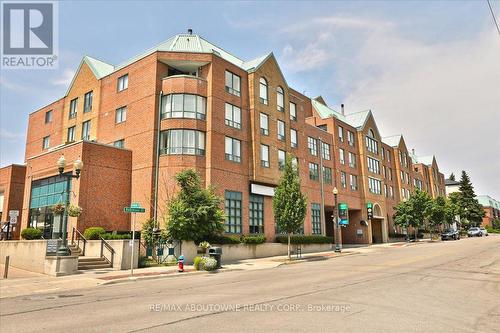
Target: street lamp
[407, 226]
[336, 221]
[77, 165]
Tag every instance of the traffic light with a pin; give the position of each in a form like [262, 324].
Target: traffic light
[369, 209]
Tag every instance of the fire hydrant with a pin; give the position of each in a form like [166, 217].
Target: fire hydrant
[181, 264]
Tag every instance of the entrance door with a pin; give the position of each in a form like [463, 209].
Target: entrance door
[377, 231]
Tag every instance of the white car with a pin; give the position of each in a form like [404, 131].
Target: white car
[484, 231]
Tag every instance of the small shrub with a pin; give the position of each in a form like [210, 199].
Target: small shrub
[301, 239]
[254, 239]
[204, 245]
[220, 240]
[209, 264]
[58, 209]
[197, 263]
[115, 236]
[93, 232]
[31, 233]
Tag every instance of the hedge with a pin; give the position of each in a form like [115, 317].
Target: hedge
[221, 240]
[93, 233]
[31, 233]
[253, 239]
[301, 239]
[109, 235]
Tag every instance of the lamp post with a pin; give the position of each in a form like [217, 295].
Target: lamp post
[336, 221]
[407, 226]
[77, 166]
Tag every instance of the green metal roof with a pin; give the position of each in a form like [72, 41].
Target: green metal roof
[393, 140]
[488, 201]
[358, 119]
[326, 112]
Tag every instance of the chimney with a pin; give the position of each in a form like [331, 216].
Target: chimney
[413, 151]
[342, 109]
[190, 31]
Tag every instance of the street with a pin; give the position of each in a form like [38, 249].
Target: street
[451, 286]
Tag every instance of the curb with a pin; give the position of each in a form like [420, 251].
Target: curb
[318, 258]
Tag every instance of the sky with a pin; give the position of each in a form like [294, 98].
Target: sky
[429, 70]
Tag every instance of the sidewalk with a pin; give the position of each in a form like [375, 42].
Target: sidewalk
[22, 283]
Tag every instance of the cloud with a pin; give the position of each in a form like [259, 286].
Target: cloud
[8, 135]
[444, 96]
[65, 78]
[8, 84]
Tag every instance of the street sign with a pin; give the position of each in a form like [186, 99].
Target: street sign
[13, 213]
[13, 220]
[134, 210]
[343, 214]
[135, 205]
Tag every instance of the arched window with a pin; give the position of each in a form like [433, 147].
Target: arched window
[263, 91]
[371, 142]
[280, 99]
[371, 134]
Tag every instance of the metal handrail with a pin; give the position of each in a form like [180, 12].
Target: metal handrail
[79, 237]
[109, 248]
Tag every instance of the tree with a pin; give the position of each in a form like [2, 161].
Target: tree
[153, 236]
[194, 213]
[414, 211]
[452, 208]
[437, 213]
[471, 210]
[452, 176]
[289, 204]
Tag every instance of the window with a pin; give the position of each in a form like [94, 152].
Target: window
[350, 138]
[391, 191]
[343, 179]
[389, 174]
[313, 171]
[371, 142]
[281, 130]
[264, 156]
[233, 211]
[407, 178]
[71, 134]
[87, 102]
[264, 124]
[73, 108]
[233, 116]
[312, 144]
[354, 182]
[48, 116]
[383, 152]
[120, 115]
[316, 218]
[327, 175]
[46, 142]
[352, 160]
[233, 83]
[182, 142]
[295, 163]
[403, 193]
[122, 82]
[388, 157]
[86, 130]
[374, 185]
[373, 165]
[119, 143]
[281, 159]
[263, 91]
[405, 160]
[341, 156]
[293, 138]
[402, 175]
[256, 214]
[183, 106]
[293, 111]
[385, 191]
[280, 99]
[325, 151]
[233, 149]
[341, 134]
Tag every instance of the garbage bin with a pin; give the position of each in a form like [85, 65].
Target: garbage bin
[216, 253]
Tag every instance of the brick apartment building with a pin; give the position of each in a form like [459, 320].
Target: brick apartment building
[187, 103]
[491, 209]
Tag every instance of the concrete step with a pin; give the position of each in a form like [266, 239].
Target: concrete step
[92, 263]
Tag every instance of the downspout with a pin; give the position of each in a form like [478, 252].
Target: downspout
[157, 163]
[322, 215]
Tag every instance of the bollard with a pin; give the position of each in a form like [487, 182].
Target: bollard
[6, 268]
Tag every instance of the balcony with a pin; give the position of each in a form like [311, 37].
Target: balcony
[184, 84]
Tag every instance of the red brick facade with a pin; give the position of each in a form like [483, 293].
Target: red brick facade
[114, 177]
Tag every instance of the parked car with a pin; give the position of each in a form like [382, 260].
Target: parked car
[474, 232]
[484, 231]
[450, 234]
